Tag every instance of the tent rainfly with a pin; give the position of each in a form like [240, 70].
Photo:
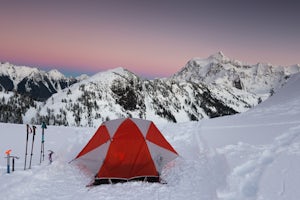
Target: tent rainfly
[126, 149]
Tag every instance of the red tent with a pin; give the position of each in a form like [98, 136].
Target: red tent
[126, 149]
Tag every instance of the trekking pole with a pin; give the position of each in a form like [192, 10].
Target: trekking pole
[28, 131]
[34, 127]
[43, 142]
[42, 147]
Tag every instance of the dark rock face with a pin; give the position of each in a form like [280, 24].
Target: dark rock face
[6, 83]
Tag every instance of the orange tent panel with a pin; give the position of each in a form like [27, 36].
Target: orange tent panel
[156, 137]
[101, 136]
[128, 155]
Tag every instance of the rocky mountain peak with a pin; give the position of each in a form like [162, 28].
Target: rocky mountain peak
[56, 75]
[218, 56]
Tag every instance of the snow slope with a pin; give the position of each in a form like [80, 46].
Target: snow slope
[254, 155]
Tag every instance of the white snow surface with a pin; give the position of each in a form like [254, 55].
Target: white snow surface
[56, 75]
[253, 156]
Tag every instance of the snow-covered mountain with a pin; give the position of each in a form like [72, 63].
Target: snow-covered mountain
[260, 79]
[254, 155]
[35, 83]
[120, 93]
[204, 88]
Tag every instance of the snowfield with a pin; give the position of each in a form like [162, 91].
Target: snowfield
[253, 155]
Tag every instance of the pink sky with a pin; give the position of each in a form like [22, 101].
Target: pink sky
[148, 38]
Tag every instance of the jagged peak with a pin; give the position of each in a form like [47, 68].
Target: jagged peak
[219, 56]
[18, 71]
[55, 74]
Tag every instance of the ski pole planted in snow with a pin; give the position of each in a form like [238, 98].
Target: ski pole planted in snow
[13, 162]
[8, 160]
[43, 142]
[34, 128]
[29, 130]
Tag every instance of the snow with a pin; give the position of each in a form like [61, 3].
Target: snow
[82, 77]
[56, 75]
[249, 156]
[292, 69]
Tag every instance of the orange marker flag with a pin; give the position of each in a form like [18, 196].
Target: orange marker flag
[8, 152]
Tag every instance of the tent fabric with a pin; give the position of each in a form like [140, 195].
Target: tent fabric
[126, 149]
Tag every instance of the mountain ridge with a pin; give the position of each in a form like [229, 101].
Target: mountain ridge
[203, 88]
[33, 82]
[218, 69]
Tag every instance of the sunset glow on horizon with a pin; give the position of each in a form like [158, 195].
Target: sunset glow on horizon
[150, 38]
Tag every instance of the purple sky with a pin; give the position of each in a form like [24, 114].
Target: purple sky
[150, 38]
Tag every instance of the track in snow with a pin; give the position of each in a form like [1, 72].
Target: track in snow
[244, 179]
